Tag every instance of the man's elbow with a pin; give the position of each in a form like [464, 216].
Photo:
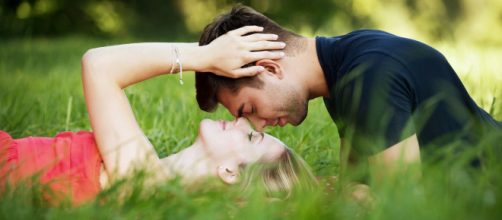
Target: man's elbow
[401, 158]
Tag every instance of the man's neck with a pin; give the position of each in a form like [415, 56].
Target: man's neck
[308, 71]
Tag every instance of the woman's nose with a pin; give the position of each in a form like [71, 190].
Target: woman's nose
[258, 123]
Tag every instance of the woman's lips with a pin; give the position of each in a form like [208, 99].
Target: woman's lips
[275, 122]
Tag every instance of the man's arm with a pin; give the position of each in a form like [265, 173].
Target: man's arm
[401, 158]
[398, 158]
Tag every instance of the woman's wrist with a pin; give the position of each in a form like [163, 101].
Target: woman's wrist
[194, 58]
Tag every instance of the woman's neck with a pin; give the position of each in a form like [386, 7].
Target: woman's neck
[191, 163]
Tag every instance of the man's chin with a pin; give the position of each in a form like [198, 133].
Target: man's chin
[297, 121]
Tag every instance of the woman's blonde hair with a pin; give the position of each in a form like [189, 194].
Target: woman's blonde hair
[279, 179]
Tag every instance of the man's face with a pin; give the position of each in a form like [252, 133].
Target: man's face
[276, 103]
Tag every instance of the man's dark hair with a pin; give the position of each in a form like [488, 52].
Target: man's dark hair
[207, 84]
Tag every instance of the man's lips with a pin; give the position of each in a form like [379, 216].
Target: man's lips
[275, 122]
[282, 122]
[279, 121]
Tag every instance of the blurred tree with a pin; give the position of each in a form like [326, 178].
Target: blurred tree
[479, 21]
[302, 16]
[51, 17]
[157, 19]
[91, 17]
[150, 18]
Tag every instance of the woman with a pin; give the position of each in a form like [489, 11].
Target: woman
[73, 162]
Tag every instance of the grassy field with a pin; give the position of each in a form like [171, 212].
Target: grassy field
[41, 95]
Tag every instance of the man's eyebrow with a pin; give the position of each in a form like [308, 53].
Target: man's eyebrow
[240, 111]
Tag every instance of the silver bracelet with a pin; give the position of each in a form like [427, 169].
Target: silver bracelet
[178, 61]
[173, 61]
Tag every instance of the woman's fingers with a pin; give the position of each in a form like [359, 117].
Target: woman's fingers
[258, 42]
[260, 37]
[246, 71]
[255, 56]
[266, 45]
[246, 29]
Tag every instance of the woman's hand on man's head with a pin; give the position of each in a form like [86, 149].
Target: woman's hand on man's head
[227, 54]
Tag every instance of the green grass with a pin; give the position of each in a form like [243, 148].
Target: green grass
[41, 95]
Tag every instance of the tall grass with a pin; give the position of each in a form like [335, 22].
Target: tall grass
[41, 95]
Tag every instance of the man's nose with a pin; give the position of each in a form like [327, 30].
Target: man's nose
[258, 123]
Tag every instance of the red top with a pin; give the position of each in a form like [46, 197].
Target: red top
[69, 163]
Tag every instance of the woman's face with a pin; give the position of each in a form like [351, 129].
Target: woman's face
[235, 143]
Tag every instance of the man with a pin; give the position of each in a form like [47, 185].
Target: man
[389, 96]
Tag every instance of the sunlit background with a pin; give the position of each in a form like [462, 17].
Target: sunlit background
[468, 32]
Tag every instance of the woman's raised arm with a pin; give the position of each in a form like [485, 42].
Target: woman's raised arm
[108, 70]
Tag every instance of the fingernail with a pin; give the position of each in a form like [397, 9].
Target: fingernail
[282, 54]
[261, 69]
[283, 44]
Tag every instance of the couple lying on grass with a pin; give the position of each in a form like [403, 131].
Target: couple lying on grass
[390, 97]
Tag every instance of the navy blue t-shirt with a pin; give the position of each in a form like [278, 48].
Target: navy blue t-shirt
[384, 88]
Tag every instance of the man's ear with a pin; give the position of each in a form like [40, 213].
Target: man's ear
[228, 174]
[271, 67]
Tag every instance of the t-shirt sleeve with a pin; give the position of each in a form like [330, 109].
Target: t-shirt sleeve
[373, 102]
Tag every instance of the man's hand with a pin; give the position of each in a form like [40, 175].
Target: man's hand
[228, 53]
[361, 194]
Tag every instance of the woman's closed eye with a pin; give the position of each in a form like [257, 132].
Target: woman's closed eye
[255, 137]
